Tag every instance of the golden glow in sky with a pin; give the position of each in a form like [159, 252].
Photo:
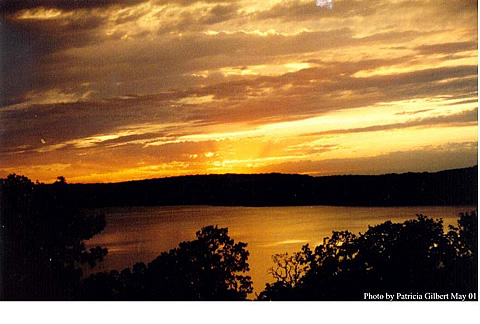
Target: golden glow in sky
[131, 89]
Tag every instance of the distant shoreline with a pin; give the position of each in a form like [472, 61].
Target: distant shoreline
[444, 188]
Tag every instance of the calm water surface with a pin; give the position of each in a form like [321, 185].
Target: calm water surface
[135, 234]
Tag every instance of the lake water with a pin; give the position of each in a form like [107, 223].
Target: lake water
[135, 234]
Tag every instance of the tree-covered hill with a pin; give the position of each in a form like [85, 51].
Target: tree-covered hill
[451, 187]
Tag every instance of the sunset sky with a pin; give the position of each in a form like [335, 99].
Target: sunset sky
[113, 90]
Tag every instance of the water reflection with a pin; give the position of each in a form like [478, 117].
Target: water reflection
[135, 234]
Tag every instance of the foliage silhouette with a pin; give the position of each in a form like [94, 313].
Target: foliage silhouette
[212, 267]
[42, 250]
[416, 256]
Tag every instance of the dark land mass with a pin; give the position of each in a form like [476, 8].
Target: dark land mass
[43, 229]
[450, 187]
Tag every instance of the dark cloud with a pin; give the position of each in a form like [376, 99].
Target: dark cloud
[457, 6]
[12, 6]
[163, 62]
[60, 123]
[423, 14]
[219, 13]
[413, 112]
[9, 7]
[166, 62]
[191, 21]
[461, 102]
[190, 2]
[447, 48]
[319, 90]
[28, 46]
[466, 118]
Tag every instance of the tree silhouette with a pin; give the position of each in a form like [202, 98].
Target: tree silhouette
[212, 267]
[60, 180]
[414, 256]
[42, 246]
[464, 239]
[288, 269]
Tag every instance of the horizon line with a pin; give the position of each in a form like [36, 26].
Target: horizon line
[253, 174]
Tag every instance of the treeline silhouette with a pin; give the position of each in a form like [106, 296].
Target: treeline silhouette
[43, 257]
[212, 267]
[41, 242]
[451, 187]
[414, 257]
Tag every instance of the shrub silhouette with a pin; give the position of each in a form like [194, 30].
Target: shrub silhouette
[416, 256]
[42, 246]
[212, 267]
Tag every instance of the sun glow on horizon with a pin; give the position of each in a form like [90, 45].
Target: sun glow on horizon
[115, 91]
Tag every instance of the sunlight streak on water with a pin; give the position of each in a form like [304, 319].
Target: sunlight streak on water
[135, 234]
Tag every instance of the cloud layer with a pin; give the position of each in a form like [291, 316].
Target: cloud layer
[116, 90]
